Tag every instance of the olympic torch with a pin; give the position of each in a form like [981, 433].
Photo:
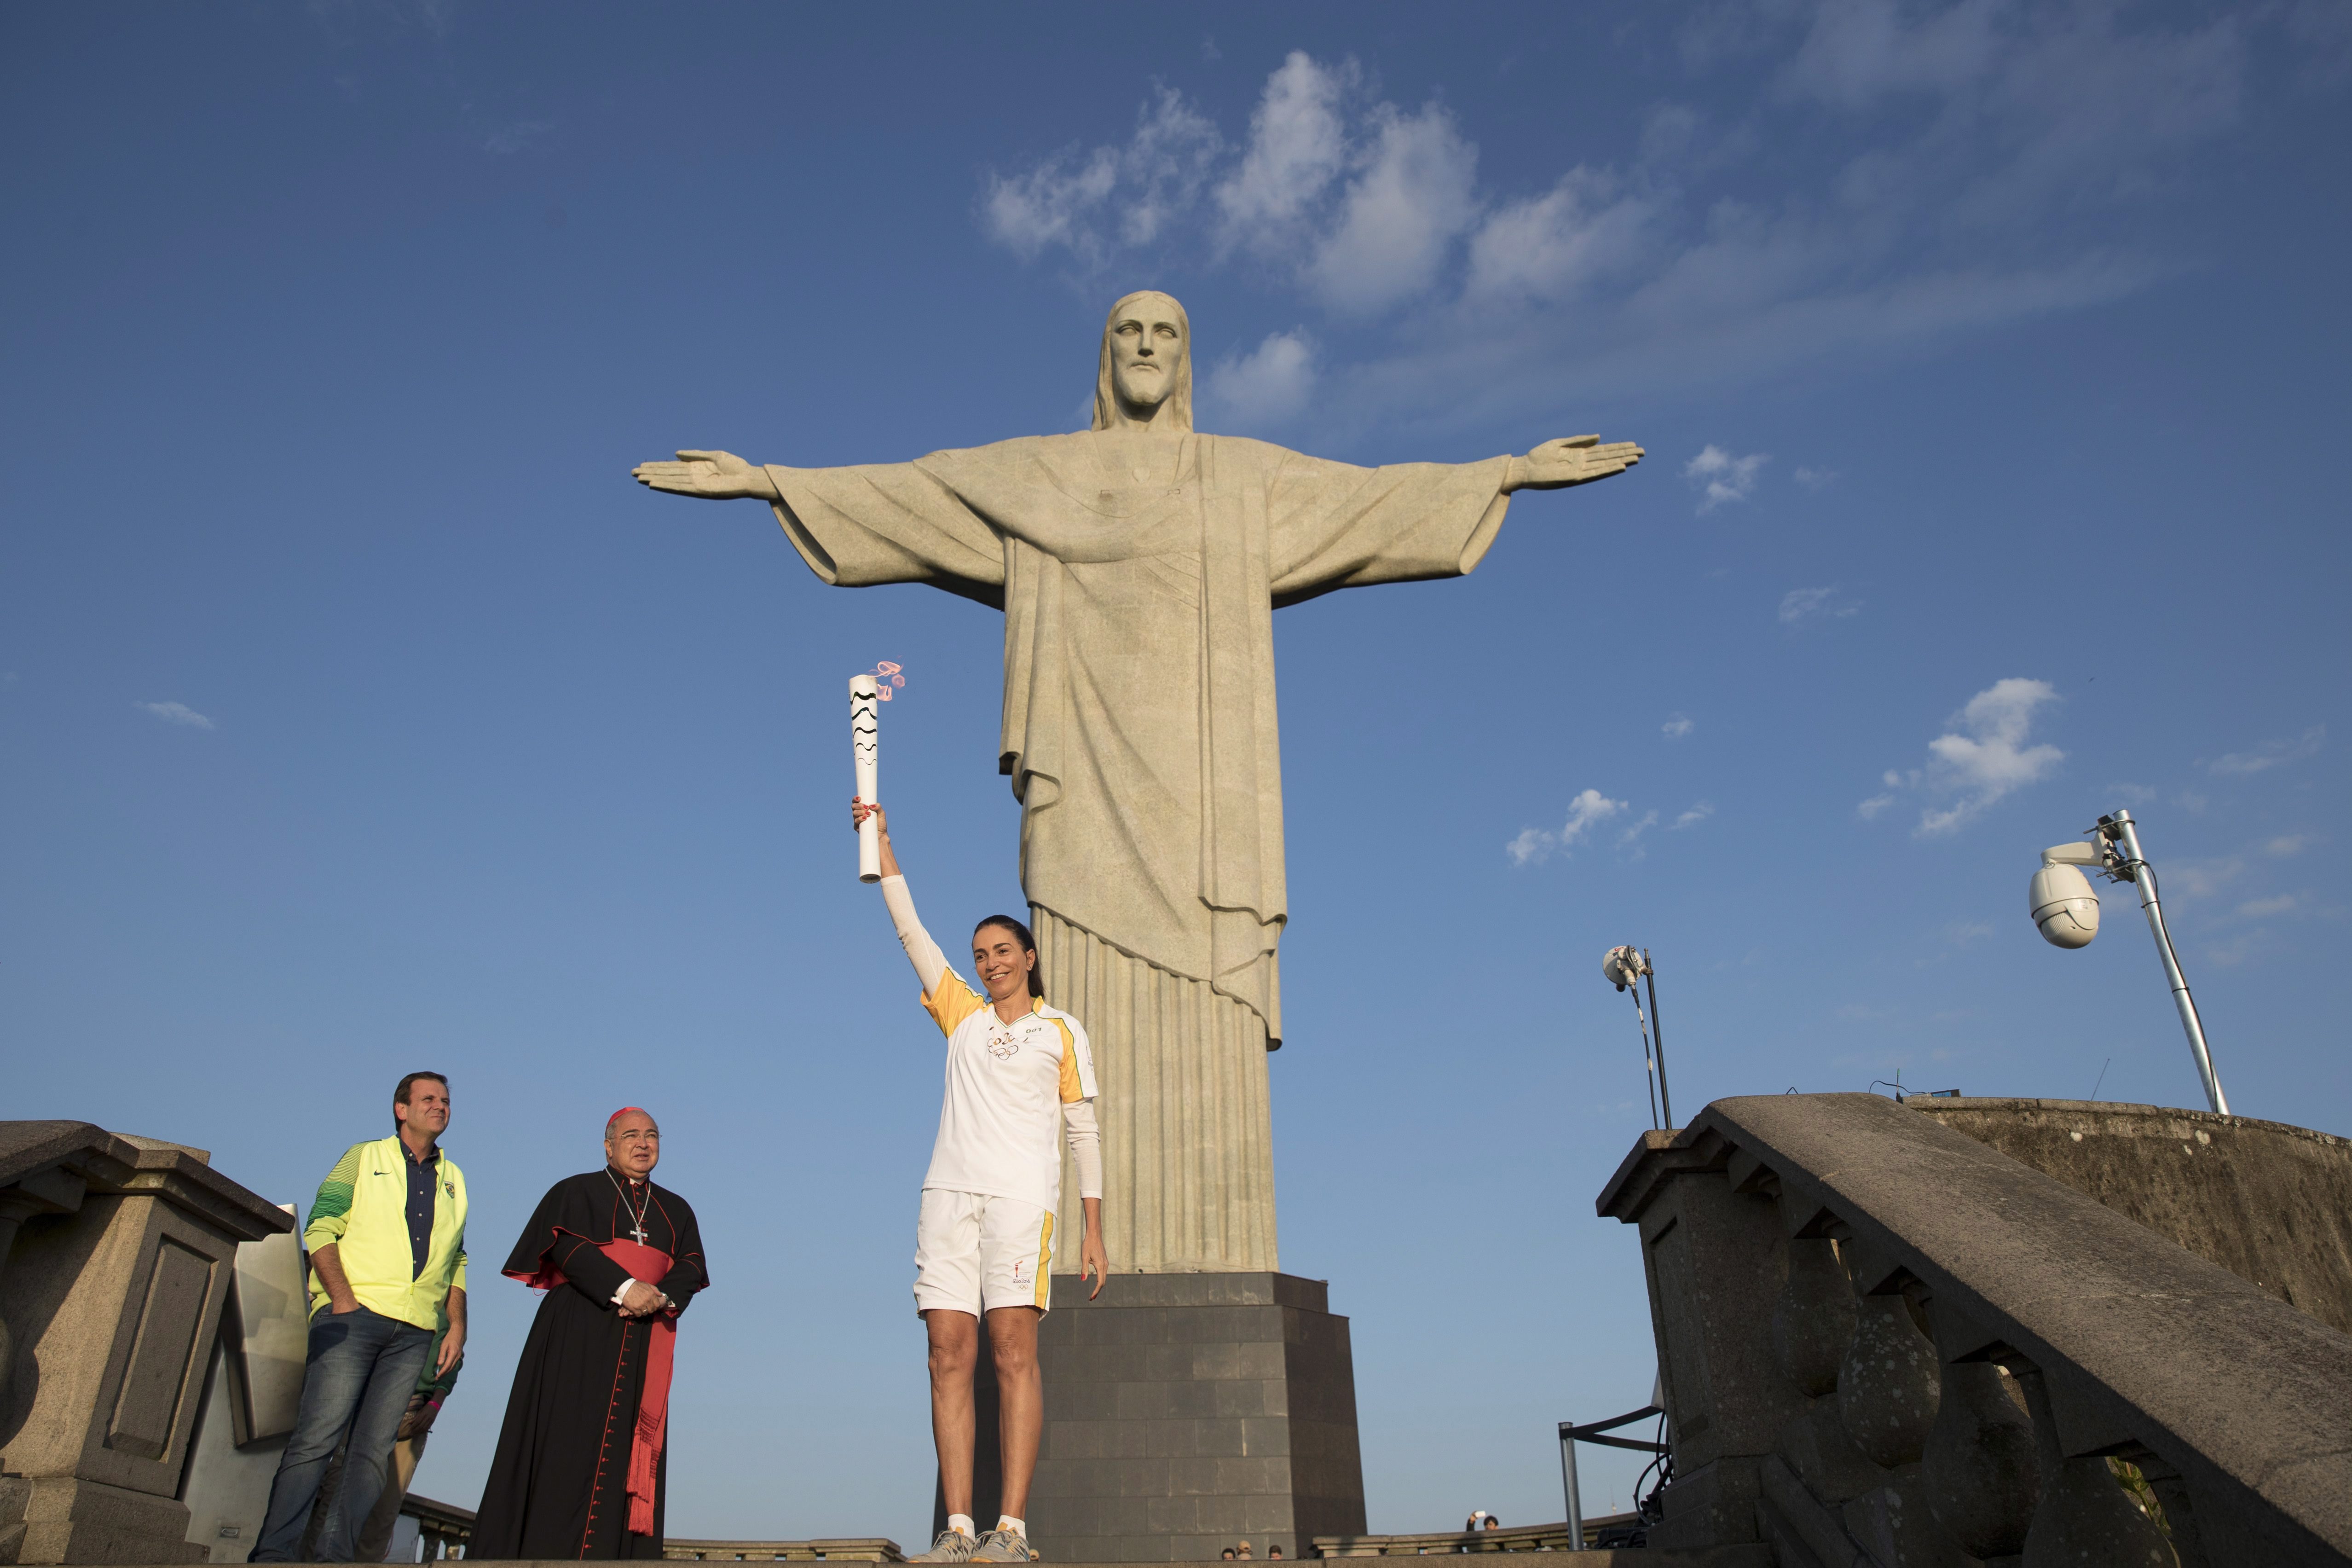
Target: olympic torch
[865, 750]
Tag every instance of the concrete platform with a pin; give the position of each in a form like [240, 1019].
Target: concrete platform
[1755, 1556]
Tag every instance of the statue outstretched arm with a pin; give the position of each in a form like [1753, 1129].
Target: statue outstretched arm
[708, 475]
[1555, 465]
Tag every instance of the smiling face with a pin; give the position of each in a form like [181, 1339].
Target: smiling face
[1001, 961]
[1146, 348]
[633, 1145]
[426, 1110]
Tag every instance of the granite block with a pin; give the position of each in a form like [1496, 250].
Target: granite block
[1215, 1361]
[1263, 1359]
[1187, 1412]
[1240, 1397]
[1260, 1437]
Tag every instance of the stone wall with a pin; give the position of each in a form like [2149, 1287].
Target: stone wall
[1883, 1342]
[2270, 1202]
[118, 1258]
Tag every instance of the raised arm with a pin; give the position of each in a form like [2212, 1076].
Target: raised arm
[931, 963]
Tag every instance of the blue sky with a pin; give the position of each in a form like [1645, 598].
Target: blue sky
[358, 714]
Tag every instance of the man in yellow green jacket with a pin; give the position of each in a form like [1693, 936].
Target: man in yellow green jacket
[387, 1241]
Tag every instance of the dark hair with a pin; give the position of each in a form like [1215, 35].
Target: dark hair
[399, 1095]
[1028, 944]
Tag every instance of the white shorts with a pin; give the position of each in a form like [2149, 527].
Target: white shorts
[975, 1253]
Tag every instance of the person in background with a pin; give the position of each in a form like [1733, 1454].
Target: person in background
[387, 1242]
[1477, 1518]
[1492, 1523]
[1274, 1551]
[1229, 1554]
[1241, 1549]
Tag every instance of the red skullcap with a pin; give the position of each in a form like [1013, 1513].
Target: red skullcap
[640, 1110]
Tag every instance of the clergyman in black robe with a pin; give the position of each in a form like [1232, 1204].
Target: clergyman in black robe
[582, 1465]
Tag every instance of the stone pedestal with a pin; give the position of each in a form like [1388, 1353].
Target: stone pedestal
[1184, 1412]
[118, 1256]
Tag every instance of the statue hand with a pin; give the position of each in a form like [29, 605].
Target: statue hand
[710, 476]
[1572, 460]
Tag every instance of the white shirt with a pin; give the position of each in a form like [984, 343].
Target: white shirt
[1014, 1091]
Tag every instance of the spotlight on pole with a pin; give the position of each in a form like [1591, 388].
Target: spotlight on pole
[1625, 968]
[2066, 909]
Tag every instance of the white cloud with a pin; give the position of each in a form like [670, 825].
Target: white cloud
[2262, 908]
[1798, 605]
[1648, 821]
[1816, 479]
[1984, 161]
[178, 713]
[1297, 145]
[1398, 221]
[2271, 754]
[1724, 477]
[1695, 815]
[2130, 794]
[1066, 200]
[1554, 246]
[1982, 759]
[2286, 845]
[1053, 203]
[1587, 811]
[1267, 386]
[1675, 727]
[2200, 878]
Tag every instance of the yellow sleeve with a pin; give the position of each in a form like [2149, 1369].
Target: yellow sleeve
[1072, 1089]
[952, 1002]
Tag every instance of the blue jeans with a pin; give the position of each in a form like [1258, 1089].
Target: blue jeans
[360, 1369]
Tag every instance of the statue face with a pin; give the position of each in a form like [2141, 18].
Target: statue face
[1147, 343]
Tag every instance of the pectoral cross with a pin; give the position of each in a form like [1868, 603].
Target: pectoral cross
[638, 1230]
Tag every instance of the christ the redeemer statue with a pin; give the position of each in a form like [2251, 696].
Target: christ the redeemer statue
[1139, 566]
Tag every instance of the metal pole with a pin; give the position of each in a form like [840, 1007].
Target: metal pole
[1568, 1481]
[1649, 1062]
[1658, 1039]
[2135, 865]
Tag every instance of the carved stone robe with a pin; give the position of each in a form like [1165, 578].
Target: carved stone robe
[1139, 576]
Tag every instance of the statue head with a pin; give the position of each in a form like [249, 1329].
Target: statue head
[1146, 375]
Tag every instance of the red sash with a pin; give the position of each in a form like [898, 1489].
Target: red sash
[652, 1265]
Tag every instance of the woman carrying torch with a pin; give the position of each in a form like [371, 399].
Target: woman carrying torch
[1019, 1080]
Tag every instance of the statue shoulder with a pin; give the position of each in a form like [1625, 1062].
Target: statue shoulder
[1017, 451]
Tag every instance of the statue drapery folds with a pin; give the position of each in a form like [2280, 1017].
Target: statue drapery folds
[1139, 566]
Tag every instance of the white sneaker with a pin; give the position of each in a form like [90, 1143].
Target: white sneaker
[952, 1546]
[1001, 1546]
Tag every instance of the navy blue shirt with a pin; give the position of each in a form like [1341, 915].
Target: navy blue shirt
[423, 1176]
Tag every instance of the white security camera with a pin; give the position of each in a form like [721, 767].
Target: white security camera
[2064, 906]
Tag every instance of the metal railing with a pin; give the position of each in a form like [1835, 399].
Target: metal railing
[1522, 1538]
[1596, 1432]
